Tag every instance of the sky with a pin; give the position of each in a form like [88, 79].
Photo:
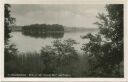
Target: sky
[64, 14]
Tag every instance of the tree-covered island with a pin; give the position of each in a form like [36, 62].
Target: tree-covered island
[43, 30]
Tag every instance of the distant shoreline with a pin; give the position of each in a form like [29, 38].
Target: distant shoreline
[66, 29]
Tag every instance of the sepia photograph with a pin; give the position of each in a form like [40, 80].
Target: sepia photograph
[64, 40]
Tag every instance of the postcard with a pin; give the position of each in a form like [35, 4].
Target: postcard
[63, 40]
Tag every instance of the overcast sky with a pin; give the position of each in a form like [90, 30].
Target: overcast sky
[67, 15]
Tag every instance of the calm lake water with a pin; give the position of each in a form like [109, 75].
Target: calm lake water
[26, 43]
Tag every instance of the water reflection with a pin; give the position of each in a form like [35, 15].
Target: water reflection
[44, 34]
[29, 42]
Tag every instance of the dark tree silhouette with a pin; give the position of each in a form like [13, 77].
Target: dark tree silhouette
[9, 49]
[106, 48]
[43, 28]
[8, 20]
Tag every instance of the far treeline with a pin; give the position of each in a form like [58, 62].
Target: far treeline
[43, 28]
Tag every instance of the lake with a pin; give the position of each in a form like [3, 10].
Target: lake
[29, 43]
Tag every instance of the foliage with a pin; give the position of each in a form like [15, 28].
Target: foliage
[105, 49]
[9, 49]
[60, 55]
[7, 21]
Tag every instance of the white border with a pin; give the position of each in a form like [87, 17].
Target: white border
[2, 2]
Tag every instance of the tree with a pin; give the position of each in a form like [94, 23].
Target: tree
[105, 49]
[59, 58]
[9, 49]
[7, 21]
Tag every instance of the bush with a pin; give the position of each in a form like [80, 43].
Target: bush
[59, 56]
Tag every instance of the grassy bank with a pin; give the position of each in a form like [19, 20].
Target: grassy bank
[35, 63]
